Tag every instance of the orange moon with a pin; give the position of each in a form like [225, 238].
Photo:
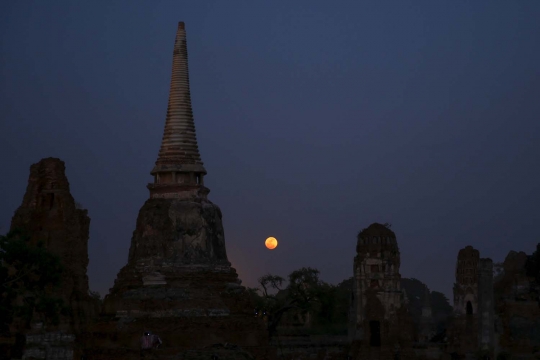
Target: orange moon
[271, 243]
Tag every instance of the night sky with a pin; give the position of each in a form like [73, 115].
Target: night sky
[313, 119]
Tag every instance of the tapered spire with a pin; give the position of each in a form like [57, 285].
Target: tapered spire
[179, 144]
[179, 163]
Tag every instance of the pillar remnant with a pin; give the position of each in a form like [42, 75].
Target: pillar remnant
[486, 306]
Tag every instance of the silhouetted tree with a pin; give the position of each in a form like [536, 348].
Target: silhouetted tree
[301, 293]
[440, 306]
[26, 273]
[330, 312]
[441, 310]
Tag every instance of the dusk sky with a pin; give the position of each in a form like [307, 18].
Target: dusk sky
[314, 119]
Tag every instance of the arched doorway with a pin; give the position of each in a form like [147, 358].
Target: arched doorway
[375, 332]
[469, 308]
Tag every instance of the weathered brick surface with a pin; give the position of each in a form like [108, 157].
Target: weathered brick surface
[50, 346]
[311, 347]
[517, 309]
[49, 214]
[378, 299]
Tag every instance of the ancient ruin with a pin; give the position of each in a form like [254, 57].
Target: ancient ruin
[466, 286]
[517, 309]
[463, 332]
[380, 325]
[471, 330]
[463, 338]
[49, 214]
[178, 282]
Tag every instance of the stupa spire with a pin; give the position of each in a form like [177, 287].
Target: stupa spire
[179, 167]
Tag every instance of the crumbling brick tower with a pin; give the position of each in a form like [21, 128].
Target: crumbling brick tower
[463, 331]
[472, 327]
[50, 214]
[466, 286]
[381, 326]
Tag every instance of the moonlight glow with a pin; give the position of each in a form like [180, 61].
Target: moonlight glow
[271, 243]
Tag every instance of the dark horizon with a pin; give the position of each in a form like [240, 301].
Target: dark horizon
[312, 121]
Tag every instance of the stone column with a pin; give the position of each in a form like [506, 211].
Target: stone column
[486, 313]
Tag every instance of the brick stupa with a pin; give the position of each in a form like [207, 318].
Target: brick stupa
[178, 282]
[380, 325]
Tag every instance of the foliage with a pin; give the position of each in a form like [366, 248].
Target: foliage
[416, 291]
[332, 310]
[27, 272]
[441, 310]
[96, 296]
[275, 301]
[304, 287]
[267, 304]
[440, 306]
[332, 313]
[322, 308]
[319, 307]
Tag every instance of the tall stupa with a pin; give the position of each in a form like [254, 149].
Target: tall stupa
[179, 170]
[178, 282]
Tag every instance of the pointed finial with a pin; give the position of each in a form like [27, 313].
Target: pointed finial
[179, 167]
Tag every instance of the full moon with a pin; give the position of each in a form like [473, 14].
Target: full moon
[271, 243]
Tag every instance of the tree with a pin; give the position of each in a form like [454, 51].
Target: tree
[330, 311]
[270, 304]
[441, 309]
[416, 293]
[301, 293]
[304, 287]
[27, 274]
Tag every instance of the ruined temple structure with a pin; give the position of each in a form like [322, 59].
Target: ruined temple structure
[50, 215]
[463, 330]
[466, 285]
[381, 327]
[178, 282]
[517, 310]
[472, 327]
